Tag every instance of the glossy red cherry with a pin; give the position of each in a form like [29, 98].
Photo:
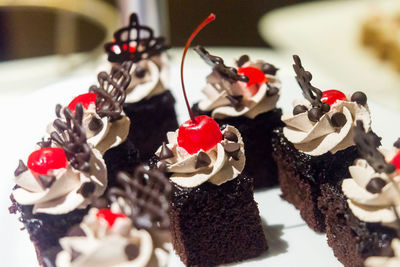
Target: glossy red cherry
[255, 75]
[204, 134]
[396, 160]
[331, 96]
[85, 99]
[109, 216]
[45, 159]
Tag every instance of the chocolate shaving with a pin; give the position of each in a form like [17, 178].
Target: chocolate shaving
[86, 189]
[140, 38]
[46, 180]
[338, 120]
[131, 251]
[146, 193]
[229, 73]
[20, 169]
[95, 125]
[232, 149]
[203, 160]
[272, 90]
[44, 143]
[235, 100]
[231, 136]
[70, 136]
[111, 91]
[243, 59]
[375, 185]
[165, 153]
[367, 144]
[397, 143]
[268, 68]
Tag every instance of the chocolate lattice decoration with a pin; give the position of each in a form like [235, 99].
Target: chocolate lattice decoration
[217, 63]
[111, 91]
[146, 194]
[70, 135]
[134, 43]
[367, 145]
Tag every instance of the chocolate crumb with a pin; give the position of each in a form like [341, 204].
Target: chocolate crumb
[232, 149]
[375, 185]
[272, 90]
[269, 69]
[132, 251]
[95, 125]
[140, 71]
[314, 114]
[76, 230]
[359, 98]
[203, 160]
[338, 120]
[397, 143]
[165, 153]
[87, 189]
[46, 181]
[299, 109]
[20, 169]
[243, 59]
[231, 136]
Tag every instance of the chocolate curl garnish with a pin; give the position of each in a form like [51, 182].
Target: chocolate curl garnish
[397, 143]
[70, 135]
[230, 73]
[367, 145]
[134, 43]
[146, 194]
[111, 91]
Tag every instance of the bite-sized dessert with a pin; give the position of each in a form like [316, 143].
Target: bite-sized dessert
[361, 212]
[316, 146]
[149, 104]
[58, 182]
[133, 232]
[214, 218]
[245, 97]
[387, 261]
[380, 32]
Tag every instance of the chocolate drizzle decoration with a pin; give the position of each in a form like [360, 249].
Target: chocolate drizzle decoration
[146, 195]
[230, 73]
[134, 43]
[111, 91]
[70, 136]
[367, 146]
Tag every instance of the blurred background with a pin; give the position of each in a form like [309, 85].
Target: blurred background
[42, 41]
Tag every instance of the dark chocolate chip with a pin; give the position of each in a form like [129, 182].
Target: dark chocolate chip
[314, 114]
[235, 100]
[299, 109]
[230, 136]
[338, 120]
[203, 160]
[232, 149]
[76, 230]
[243, 59]
[272, 90]
[397, 143]
[132, 251]
[359, 98]
[20, 169]
[95, 124]
[269, 69]
[140, 71]
[165, 153]
[375, 185]
[390, 168]
[74, 254]
[87, 189]
[100, 203]
[325, 107]
[46, 180]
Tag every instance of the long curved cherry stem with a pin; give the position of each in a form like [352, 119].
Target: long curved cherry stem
[210, 18]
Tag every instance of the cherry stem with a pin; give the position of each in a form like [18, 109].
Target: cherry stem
[210, 18]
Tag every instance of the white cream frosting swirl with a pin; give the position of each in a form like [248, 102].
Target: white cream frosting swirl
[367, 206]
[62, 196]
[317, 138]
[217, 89]
[386, 261]
[222, 168]
[104, 246]
[154, 82]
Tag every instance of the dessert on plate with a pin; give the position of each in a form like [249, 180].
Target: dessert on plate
[148, 104]
[316, 146]
[245, 97]
[361, 212]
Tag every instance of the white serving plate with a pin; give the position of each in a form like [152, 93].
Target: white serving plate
[290, 242]
[327, 33]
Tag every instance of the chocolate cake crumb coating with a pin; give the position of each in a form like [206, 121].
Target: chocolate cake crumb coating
[301, 175]
[151, 119]
[213, 225]
[351, 239]
[256, 134]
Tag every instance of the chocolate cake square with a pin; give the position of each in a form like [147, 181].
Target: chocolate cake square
[213, 225]
[256, 134]
[301, 176]
[151, 119]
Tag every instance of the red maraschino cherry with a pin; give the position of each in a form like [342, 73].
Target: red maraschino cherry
[331, 96]
[256, 77]
[85, 99]
[45, 159]
[200, 132]
[109, 216]
[396, 160]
